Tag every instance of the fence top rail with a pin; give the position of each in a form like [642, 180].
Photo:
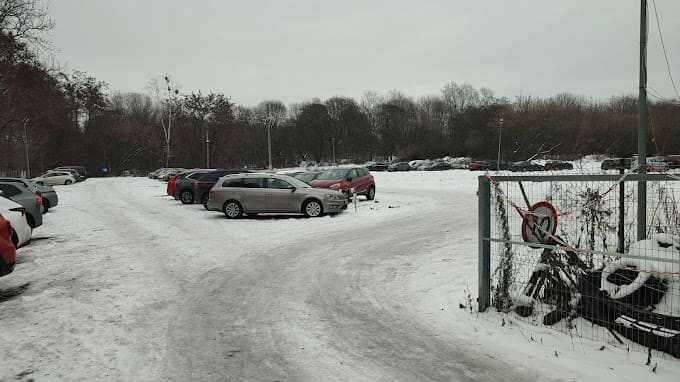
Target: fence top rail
[583, 178]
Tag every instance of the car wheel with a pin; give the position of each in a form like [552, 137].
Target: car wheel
[187, 197]
[68, 181]
[15, 239]
[370, 195]
[312, 208]
[232, 209]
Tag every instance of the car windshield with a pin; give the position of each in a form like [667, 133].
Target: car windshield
[333, 174]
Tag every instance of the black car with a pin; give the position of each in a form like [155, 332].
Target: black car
[377, 166]
[526, 166]
[400, 166]
[183, 188]
[439, 166]
[200, 188]
[617, 164]
[556, 165]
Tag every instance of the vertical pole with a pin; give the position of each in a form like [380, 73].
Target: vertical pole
[333, 141]
[484, 250]
[622, 211]
[207, 146]
[269, 144]
[26, 143]
[642, 130]
[498, 158]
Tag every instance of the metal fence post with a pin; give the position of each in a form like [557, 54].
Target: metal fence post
[484, 251]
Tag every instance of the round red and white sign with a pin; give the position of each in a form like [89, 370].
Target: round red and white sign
[539, 224]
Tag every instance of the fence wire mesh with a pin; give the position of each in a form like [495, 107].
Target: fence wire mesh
[564, 254]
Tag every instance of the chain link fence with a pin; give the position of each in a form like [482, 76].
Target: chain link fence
[563, 252]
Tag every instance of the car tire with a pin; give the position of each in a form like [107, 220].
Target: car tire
[67, 182]
[312, 208]
[232, 209]
[15, 239]
[370, 194]
[187, 197]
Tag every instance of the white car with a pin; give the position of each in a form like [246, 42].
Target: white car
[16, 215]
[52, 178]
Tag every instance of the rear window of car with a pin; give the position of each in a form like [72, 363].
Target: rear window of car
[8, 190]
[232, 183]
[333, 174]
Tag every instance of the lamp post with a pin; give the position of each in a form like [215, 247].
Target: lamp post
[333, 144]
[498, 159]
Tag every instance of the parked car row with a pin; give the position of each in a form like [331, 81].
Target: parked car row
[520, 166]
[61, 176]
[656, 163]
[238, 192]
[22, 205]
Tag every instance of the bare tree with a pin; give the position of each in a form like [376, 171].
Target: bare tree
[167, 101]
[25, 20]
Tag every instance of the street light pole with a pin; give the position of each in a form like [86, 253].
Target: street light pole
[269, 144]
[498, 159]
[28, 162]
[642, 130]
[333, 142]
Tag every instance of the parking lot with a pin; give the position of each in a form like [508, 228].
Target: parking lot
[126, 283]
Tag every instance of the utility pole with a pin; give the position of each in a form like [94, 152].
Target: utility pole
[207, 146]
[28, 162]
[269, 143]
[642, 129]
[333, 144]
[498, 159]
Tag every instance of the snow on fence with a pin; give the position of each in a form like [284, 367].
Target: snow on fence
[563, 252]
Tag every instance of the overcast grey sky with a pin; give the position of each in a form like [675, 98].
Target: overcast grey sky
[296, 50]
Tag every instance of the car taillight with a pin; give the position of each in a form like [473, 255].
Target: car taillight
[194, 183]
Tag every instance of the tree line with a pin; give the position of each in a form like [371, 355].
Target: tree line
[49, 118]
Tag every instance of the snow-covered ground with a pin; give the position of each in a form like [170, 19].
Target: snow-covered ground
[124, 283]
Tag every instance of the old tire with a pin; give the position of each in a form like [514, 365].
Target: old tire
[232, 209]
[312, 208]
[67, 182]
[187, 197]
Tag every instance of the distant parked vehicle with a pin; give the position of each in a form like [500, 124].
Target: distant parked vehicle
[255, 193]
[307, 176]
[52, 178]
[346, 179]
[438, 166]
[399, 166]
[76, 175]
[183, 182]
[673, 161]
[15, 213]
[556, 165]
[654, 164]
[526, 166]
[82, 171]
[200, 188]
[27, 198]
[50, 199]
[7, 249]
[617, 164]
[376, 166]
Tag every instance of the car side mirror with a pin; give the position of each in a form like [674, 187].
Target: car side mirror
[292, 189]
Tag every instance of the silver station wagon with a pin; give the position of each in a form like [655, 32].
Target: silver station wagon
[251, 194]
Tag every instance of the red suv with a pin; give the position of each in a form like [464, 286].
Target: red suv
[345, 179]
[7, 251]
